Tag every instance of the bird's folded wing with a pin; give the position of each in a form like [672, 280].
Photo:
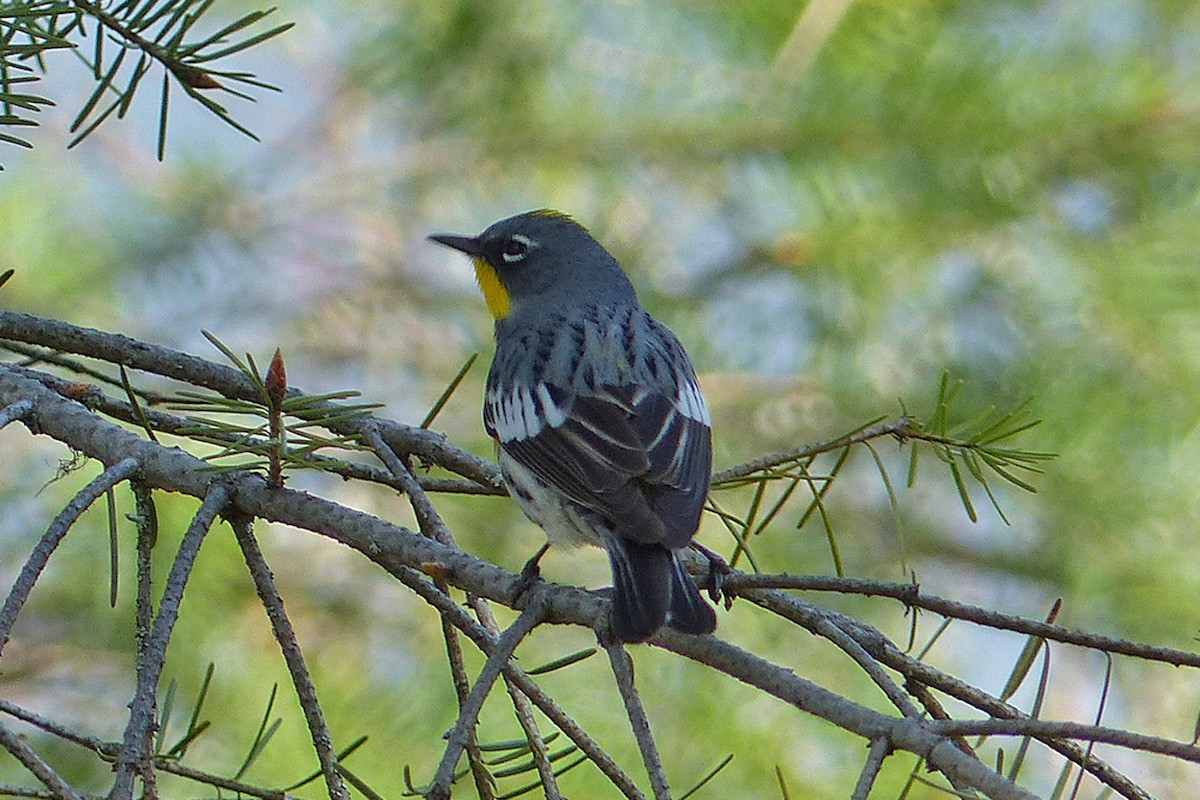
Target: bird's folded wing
[638, 458]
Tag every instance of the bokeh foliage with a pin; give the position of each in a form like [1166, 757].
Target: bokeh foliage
[830, 204]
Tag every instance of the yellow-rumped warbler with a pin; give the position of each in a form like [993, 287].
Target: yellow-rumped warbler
[603, 435]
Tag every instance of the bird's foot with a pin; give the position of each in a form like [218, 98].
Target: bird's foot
[531, 573]
[714, 584]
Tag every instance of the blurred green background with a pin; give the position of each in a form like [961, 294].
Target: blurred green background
[830, 204]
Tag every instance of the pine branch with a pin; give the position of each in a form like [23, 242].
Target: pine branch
[911, 595]
[428, 446]
[62, 412]
[401, 551]
[159, 32]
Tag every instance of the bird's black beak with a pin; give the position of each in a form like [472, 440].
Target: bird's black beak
[464, 244]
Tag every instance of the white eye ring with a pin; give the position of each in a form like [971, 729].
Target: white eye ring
[516, 248]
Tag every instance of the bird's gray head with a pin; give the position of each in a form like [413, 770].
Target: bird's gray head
[541, 258]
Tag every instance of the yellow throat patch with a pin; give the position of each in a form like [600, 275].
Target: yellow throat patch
[498, 300]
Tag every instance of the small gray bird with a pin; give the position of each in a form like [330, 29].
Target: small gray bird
[603, 435]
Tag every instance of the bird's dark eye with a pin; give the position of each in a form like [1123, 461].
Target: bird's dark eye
[516, 248]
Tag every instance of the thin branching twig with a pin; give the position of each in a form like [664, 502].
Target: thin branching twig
[911, 595]
[28, 757]
[866, 779]
[622, 669]
[912, 735]
[50, 540]
[919, 675]
[525, 684]
[524, 711]
[901, 427]
[822, 626]
[138, 732]
[1047, 729]
[110, 750]
[170, 423]
[431, 524]
[285, 634]
[469, 713]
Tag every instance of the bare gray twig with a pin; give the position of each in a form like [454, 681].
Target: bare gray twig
[880, 749]
[622, 669]
[468, 715]
[111, 749]
[50, 726]
[285, 634]
[8, 790]
[431, 524]
[33, 762]
[147, 535]
[905, 734]
[35, 355]
[485, 640]
[50, 540]
[428, 518]
[911, 595]
[1047, 729]
[824, 623]
[462, 690]
[94, 398]
[146, 519]
[135, 752]
[920, 675]
[524, 711]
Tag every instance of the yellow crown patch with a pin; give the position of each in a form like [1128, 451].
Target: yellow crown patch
[550, 213]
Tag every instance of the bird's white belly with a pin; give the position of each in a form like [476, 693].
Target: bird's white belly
[563, 525]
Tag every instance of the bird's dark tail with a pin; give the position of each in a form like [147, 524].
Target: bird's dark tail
[688, 613]
[651, 589]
